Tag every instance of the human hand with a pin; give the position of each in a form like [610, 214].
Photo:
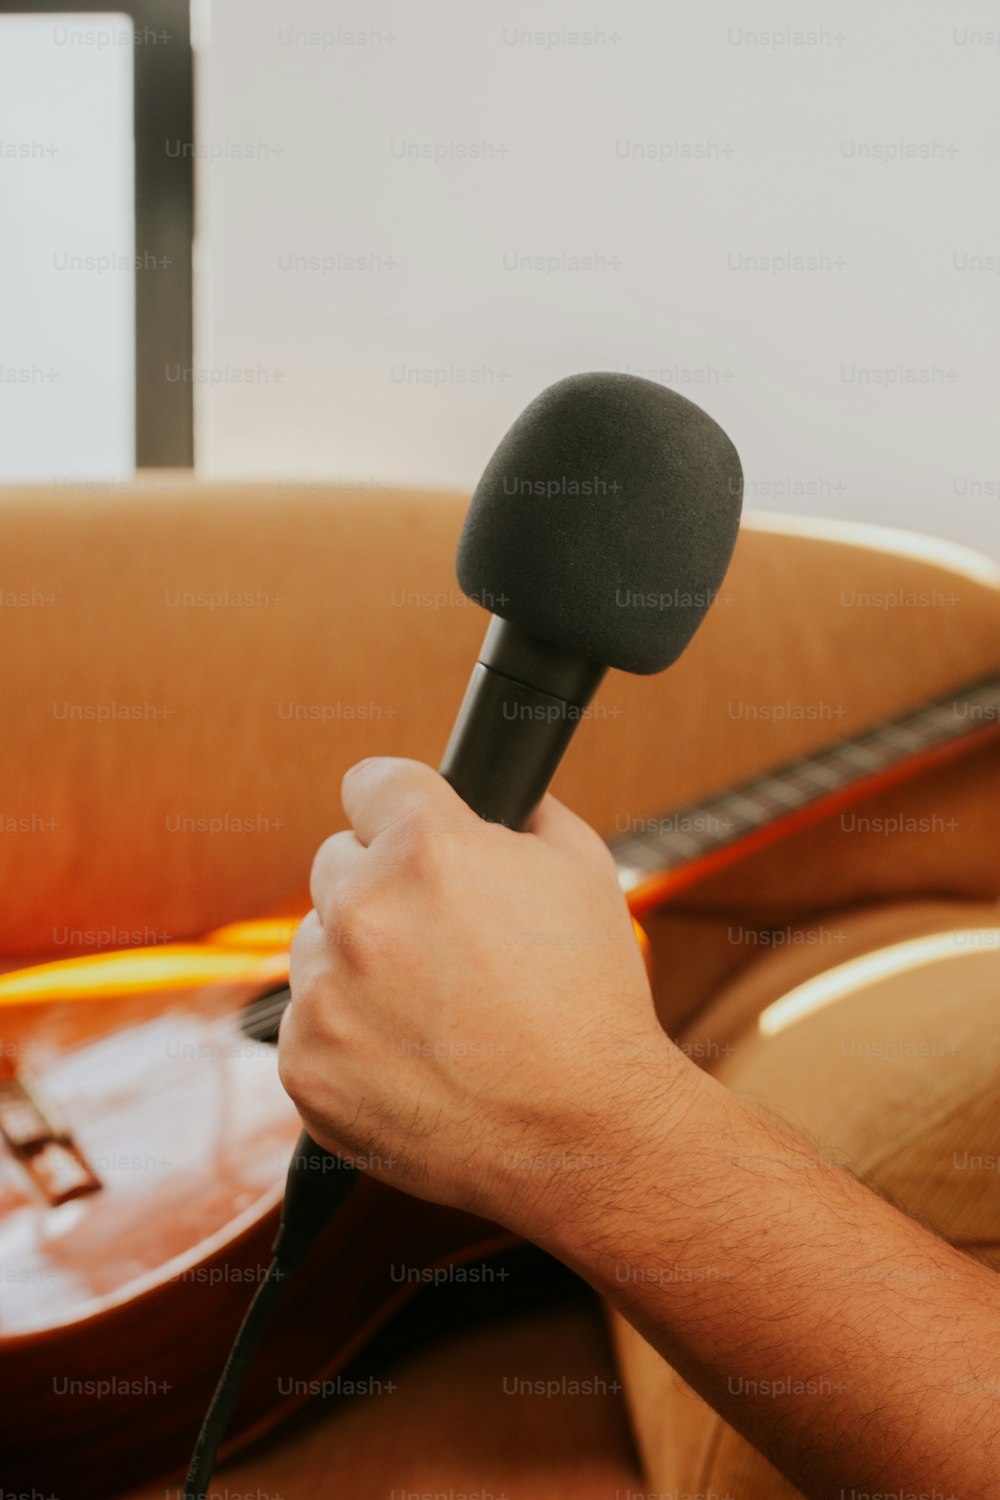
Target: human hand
[469, 1003]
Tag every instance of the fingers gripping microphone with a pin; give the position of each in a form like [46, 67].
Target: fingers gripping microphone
[599, 534]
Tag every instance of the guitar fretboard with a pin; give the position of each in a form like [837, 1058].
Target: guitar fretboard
[652, 847]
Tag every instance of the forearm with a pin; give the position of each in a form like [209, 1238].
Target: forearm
[851, 1346]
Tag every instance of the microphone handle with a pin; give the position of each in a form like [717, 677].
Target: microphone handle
[524, 700]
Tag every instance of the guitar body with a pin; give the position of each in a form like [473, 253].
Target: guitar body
[118, 1306]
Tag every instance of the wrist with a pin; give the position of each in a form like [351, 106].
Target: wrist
[567, 1190]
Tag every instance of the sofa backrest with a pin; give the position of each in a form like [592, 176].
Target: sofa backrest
[187, 668]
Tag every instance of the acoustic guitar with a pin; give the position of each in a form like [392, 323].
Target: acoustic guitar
[145, 1138]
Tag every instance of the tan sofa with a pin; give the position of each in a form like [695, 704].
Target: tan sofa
[173, 650]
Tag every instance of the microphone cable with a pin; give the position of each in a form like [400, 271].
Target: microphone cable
[318, 1183]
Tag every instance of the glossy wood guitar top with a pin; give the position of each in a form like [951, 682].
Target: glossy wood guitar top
[118, 1304]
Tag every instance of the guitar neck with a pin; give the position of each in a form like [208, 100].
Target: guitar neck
[656, 856]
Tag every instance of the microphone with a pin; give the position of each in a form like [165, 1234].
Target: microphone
[602, 527]
[600, 530]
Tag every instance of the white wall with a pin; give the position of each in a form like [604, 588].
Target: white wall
[67, 300]
[645, 168]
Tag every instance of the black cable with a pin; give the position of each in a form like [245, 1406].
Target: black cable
[317, 1184]
[213, 1429]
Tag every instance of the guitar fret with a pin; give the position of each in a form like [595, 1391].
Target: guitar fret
[748, 808]
[716, 816]
[932, 723]
[883, 746]
[680, 846]
[906, 739]
[684, 841]
[652, 840]
[635, 853]
[860, 756]
[928, 733]
[700, 828]
[781, 792]
[821, 774]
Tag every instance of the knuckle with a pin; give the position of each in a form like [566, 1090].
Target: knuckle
[357, 923]
[324, 879]
[304, 937]
[304, 1046]
[294, 1073]
[428, 847]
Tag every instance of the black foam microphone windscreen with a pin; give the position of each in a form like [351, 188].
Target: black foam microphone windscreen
[605, 520]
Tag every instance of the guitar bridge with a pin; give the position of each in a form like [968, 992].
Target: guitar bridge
[43, 1146]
